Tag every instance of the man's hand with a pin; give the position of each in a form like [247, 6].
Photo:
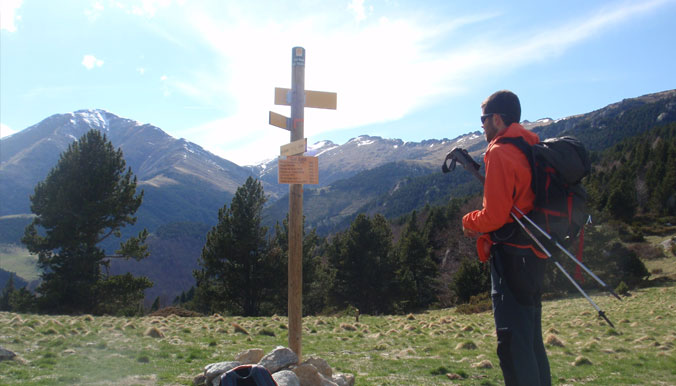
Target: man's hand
[470, 233]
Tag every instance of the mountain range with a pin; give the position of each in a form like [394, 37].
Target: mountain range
[185, 185]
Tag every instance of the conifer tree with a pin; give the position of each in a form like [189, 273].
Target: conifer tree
[315, 280]
[417, 272]
[233, 270]
[363, 261]
[6, 293]
[86, 198]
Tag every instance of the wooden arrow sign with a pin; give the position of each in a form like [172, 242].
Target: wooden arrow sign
[315, 99]
[279, 121]
[294, 148]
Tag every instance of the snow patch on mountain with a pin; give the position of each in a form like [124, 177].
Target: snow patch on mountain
[94, 118]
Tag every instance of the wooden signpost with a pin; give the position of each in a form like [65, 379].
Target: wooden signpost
[297, 170]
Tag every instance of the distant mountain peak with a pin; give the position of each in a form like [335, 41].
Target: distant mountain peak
[99, 119]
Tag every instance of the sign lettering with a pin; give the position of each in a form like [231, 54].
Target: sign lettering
[298, 170]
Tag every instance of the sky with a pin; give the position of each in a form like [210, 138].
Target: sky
[205, 70]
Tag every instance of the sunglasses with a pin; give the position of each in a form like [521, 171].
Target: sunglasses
[486, 116]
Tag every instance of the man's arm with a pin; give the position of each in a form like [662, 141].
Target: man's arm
[498, 195]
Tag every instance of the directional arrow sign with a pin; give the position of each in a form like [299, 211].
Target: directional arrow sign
[294, 148]
[279, 121]
[316, 99]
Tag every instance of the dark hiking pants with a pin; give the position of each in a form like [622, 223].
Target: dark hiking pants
[516, 281]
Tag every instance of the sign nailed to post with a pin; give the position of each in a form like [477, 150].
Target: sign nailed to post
[298, 170]
[315, 99]
[294, 148]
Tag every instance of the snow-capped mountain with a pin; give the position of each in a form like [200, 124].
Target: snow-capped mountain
[365, 152]
[164, 166]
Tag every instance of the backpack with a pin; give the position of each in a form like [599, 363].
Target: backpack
[558, 165]
[248, 375]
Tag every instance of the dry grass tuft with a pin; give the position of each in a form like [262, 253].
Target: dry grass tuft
[348, 327]
[153, 332]
[239, 328]
[484, 364]
[553, 340]
[581, 361]
[407, 352]
[467, 345]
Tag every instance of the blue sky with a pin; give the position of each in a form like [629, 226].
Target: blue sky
[205, 70]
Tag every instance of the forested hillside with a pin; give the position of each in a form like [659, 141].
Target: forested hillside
[605, 127]
[637, 176]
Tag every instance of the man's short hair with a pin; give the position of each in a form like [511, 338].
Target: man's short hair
[505, 103]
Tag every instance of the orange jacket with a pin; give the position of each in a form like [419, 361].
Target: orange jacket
[508, 183]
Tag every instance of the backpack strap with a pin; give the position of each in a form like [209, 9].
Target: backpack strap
[527, 151]
[511, 232]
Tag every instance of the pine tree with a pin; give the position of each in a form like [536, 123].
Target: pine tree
[6, 293]
[234, 272]
[363, 263]
[417, 273]
[315, 285]
[156, 305]
[86, 198]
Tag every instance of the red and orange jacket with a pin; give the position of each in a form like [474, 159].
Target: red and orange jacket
[508, 184]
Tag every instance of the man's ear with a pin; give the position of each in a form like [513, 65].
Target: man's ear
[498, 122]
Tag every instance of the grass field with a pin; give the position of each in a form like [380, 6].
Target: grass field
[14, 258]
[417, 349]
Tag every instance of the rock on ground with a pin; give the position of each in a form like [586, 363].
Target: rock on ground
[286, 378]
[214, 370]
[279, 358]
[6, 354]
[308, 375]
[250, 357]
[321, 365]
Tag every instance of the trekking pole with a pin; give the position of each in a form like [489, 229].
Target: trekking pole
[567, 252]
[460, 155]
[549, 256]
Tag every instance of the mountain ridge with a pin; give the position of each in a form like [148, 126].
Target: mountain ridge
[185, 184]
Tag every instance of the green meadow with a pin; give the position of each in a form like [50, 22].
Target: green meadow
[414, 349]
[14, 258]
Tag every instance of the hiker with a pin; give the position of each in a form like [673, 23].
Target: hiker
[517, 267]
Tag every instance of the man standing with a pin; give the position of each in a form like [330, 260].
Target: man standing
[517, 268]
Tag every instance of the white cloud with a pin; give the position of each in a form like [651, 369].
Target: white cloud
[90, 61]
[95, 11]
[145, 8]
[141, 70]
[8, 14]
[382, 69]
[5, 130]
[357, 6]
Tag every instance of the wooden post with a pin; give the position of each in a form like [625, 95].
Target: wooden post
[297, 170]
[295, 263]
